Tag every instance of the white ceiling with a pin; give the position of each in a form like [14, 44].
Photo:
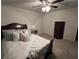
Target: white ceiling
[28, 4]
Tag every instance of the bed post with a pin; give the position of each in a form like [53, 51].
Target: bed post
[49, 49]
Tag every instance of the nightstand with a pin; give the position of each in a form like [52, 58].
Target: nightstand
[34, 31]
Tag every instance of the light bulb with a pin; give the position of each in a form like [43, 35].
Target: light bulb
[48, 8]
[43, 9]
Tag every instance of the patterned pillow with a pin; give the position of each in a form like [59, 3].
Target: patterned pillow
[24, 36]
[7, 35]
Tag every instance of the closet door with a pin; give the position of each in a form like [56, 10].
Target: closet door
[59, 30]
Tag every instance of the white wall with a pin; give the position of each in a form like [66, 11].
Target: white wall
[68, 15]
[11, 14]
[44, 23]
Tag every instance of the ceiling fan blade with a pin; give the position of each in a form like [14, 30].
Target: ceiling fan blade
[41, 0]
[57, 1]
[54, 6]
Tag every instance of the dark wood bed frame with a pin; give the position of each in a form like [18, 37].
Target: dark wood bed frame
[14, 26]
[24, 26]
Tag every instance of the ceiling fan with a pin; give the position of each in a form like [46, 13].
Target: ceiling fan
[46, 4]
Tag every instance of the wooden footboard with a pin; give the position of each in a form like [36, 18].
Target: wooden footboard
[46, 51]
[49, 49]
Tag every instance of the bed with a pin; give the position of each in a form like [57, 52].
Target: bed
[35, 48]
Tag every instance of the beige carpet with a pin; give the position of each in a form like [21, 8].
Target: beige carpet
[63, 49]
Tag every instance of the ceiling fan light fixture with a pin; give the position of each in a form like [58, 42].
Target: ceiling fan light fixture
[46, 9]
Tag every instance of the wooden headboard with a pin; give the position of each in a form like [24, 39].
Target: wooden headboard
[14, 26]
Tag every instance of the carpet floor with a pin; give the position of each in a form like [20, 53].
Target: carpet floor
[63, 49]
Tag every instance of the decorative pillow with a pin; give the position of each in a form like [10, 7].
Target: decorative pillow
[27, 33]
[16, 36]
[24, 36]
[7, 35]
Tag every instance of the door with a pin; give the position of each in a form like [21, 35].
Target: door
[59, 30]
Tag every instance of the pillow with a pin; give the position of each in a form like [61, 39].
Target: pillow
[16, 36]
[24, 36]
[24, 30]
[7, 35]
[27, 33]
[10, 34]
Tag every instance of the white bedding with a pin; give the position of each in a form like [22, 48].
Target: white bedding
[20, 49]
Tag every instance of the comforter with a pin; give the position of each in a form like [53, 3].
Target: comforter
[20, 49]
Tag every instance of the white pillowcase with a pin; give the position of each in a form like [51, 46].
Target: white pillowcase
[23, 37]
[16, 36]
